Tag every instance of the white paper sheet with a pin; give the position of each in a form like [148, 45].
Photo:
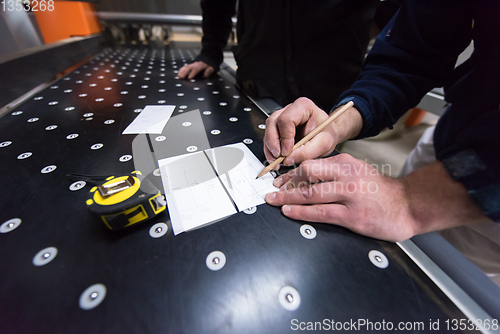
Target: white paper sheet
[196, 195]
[152, 119]
[240, 181]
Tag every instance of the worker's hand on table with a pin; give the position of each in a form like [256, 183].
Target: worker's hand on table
[189, 71]
[348, 192]
[295, 121]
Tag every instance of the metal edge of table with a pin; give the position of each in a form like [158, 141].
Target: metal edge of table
[124, 17]
[45, 63]
[462, 281]
[267, 106]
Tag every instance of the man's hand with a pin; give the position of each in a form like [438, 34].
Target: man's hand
[349, 192]
[191, 70]
[281, 130]
[298, 119]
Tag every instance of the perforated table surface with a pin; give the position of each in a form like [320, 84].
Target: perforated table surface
[62, 272]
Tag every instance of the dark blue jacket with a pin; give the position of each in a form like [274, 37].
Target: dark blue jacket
[291, 48]
[416, 52]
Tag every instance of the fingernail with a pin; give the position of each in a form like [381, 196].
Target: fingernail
[270, 197]
[286, 209]
[290, 162]
[275, 153]
[277, 181]
[283, 152]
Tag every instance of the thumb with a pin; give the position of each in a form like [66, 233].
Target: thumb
[208, 71]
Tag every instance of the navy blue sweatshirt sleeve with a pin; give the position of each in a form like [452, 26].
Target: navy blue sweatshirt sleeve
[217, 25]
[415, 52]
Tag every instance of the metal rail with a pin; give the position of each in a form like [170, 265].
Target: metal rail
[24, 70]
[450, 288]
[123, 17]
[267, 106]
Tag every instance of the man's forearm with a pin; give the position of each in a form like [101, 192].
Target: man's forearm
[348, 125]
[437, 202]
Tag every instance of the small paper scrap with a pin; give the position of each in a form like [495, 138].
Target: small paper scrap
[152, 119]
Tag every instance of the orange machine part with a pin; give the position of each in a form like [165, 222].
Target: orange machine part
[415, 117]
[69, 18]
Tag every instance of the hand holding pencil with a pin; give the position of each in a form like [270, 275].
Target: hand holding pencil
[337, 113]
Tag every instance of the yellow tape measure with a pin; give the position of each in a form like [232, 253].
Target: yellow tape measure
[125, 201]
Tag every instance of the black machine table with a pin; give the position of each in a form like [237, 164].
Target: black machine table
[163, 284]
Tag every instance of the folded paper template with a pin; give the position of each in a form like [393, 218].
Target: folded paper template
[206, 186]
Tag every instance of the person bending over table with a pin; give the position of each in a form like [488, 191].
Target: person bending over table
[415, 52]
[288, 49]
